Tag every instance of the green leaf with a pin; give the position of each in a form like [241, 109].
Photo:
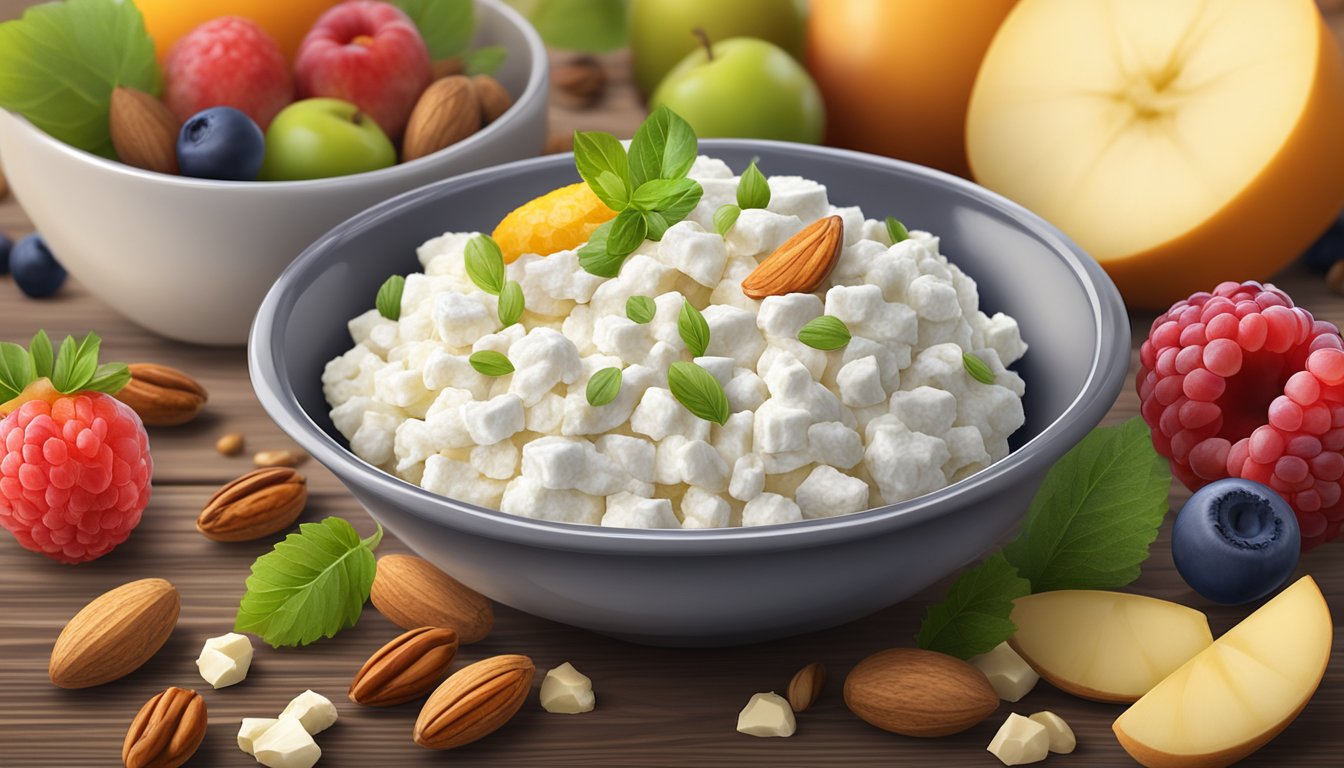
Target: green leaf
[61, 61]
[446, 25]
[694, 329]
[896, 230]
[592, 26]
[977, 368]
[16, 370]
[75, 364]
[1096, 514]
[656, 225]
[613, 188]
[753, 191]
[511, 305]
[311, 585]
[698, 390]
[640, 309]
[725, 218]
[628, 230]
[664, 147]
[488, 362]
[485, 264]
[826, 332]
[973, 618]
[44, 357]
[595, 152]
[594, 256]
[485, 60]
[604, 386]
[659, 194]
[388, 301]
[109, 378]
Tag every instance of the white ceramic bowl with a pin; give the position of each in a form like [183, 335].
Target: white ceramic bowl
[192, 259]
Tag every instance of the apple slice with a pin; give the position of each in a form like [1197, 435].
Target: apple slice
[1106, 646]
[1180, 142]
[1238, 694]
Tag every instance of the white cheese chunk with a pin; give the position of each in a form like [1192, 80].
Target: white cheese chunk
[767, 715]
[1020, 741]
[225, 660]
[1011, 677]
[251, 729]
[311, 709]
[565, 691]
[1062, 740]
[287, 744]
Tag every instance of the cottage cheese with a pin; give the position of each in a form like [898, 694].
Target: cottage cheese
[890, 416]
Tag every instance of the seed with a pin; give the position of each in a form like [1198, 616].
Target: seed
[285, 458]
[230, 444]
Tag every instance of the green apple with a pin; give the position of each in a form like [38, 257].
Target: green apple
[744, 88]
[319, 138]
[662, 32]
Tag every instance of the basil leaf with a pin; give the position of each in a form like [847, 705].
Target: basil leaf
[1096, 514]
[640, 309]
[595, 152]
[16, 370]
[725, 218]
[627, 232]
[977, 368]
[44, 357]
[656, 225]
[613, 188]
[485, 264]
[110, 378]
[698, 390]
[896, 230]
[388, 300]
[693, 329]
[511, 303]
[826, 332]
[658, 194]
[974, 617]
[485, 60]
[753, 191]
[311, 585]
[679, 201]
[488, 362]
[594, 256]
[664, 147]
[446, 25]
[604, 386]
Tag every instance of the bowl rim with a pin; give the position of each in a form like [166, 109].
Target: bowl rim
[535, 89]
[1106, 376]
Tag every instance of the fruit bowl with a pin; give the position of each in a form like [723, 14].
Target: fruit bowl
[191, 259]
[723, 586]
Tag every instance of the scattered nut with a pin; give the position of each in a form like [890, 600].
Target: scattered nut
[256, 505]
[412, 593]
[447, 68]
[166, 732]
[767, 714]
[114, 634]
[474, 702]
[566, 691]
[495, 100]
[806, 686]
[579, 83]
[919, 693]
[162, 396]
[1334, 279]
[408, 667]
[224, 660]
[1062, 740]
[1020, 741]
[281, 458]
[230, 444]
[1011, 677]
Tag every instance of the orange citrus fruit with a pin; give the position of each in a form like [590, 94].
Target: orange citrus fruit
[286, 20]
[559, 220]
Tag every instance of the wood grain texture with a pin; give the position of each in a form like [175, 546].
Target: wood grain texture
[655, 706]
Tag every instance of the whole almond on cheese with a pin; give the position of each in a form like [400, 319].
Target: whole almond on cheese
[919, 693]
[162, 396]
[801, 263]
[166, 732]
[409, 666]
[256, 505]
[114, 634]
[411, 593]
[447, 112]
[474, 702]
[144, 130]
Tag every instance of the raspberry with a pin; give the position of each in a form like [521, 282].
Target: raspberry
[1241, 383]
[228, 62]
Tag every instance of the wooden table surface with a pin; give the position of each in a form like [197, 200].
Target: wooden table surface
[655, 706]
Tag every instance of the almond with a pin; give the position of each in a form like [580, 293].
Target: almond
[163, 396]
[406, 668]
[280, 458]
[919, 693]
[412, 593]
[494, 99]
[447, 112]
[579, 82]
[167, 731]
[258, 504]
[230, 444]
[476, 701]
[144, 130]
[447, 68]
[801, 263]
[114, 634]
[806, 686]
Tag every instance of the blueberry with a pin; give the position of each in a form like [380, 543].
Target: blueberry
[36, 271]
[1328, 249]
[1235, 541]
[5, 246]
[220, 143]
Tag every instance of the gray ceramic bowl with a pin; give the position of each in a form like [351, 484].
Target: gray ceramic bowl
[732, 585]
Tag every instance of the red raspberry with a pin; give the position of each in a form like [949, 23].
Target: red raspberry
[74, 475]
[1241, 383]
[228, 62]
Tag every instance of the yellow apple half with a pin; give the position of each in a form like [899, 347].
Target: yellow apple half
[1180, 142]
[1106, 646]
[1234, 697]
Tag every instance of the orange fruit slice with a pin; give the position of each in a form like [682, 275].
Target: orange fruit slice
[559, 220]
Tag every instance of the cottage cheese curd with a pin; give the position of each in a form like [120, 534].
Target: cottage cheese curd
[890, 416]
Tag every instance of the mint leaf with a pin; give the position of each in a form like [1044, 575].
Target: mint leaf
[592, 26]
[725, 218]
[693, 328]
[603, 387]
[511, 305]
[488, 362]
[16, 370]
[446, 25]
[628, 230]
[664, 147]
[43, 355]
[595, 152]
[311, 585]
[826, 333]
[977, 368]
[485, 60]
[1096, 514]
[594, 257]
[973, 618]
[896, 230]
[698, 391]
[753, 191]
[485, 264]
[61, 61]
[388, 300]
[109, 378]
[640, 309]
